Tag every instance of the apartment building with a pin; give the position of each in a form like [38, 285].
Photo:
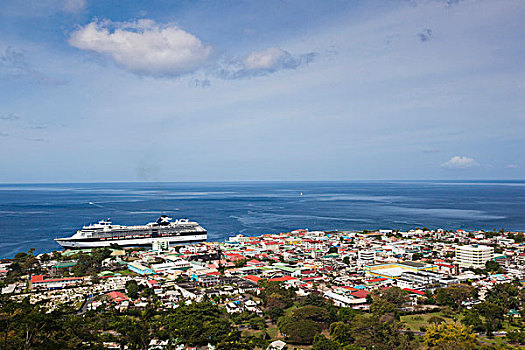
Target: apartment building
[473, 255]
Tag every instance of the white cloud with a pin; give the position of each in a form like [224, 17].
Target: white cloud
[270, 58]
[144, 47]
[75, 6]
[511, 166]
[264, 62]
[460, 162]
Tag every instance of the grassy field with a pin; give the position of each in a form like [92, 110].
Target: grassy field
[415, 322]
[288, 312]
[272, 331]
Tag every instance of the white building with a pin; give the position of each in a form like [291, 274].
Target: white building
[473, 255]
[366, 257]
[160, 245]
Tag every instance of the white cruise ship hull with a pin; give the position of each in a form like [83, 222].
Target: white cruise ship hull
[129, 242]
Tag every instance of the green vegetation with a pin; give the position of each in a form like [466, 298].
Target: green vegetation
[26, 326]
[450, 336]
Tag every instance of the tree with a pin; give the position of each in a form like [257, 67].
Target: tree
[198, 324]
[304, 323]
[314, 299]
[136, 333]
[341, 333]
[473, 320]
[274, 313]
[132, 289]
[346, 260]
[27, 326]
[519, 237]
[395, 295]
[493, 316]
[380, 307]
[493, 267]
[417, 256]
[450, 336]
[316, 314]
[506, 295]
[299, 331]
[435, 320]
[516, 336]
[332, 250]
[257, 323]
[455, 295]
[323, 343]
[347, 314]
[381, 333]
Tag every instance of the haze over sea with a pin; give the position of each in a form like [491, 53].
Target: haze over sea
[31, 215]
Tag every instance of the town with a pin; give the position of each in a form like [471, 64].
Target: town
[381, 289]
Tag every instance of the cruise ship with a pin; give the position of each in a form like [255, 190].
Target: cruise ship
[104, 234]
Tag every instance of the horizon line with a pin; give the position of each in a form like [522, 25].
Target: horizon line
[260, 181]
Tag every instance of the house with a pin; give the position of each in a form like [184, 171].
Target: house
[270, 245]
[277, 345]
[233, 308]
[254, 263]
[117, 297]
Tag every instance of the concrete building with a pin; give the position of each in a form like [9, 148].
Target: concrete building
[395, 270]
[473, 255]
[160, 245]
[139, 268]
[366, 257]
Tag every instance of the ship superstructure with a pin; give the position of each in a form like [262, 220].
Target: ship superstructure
[105, 233]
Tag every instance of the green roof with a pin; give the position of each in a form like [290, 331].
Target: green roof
[105, 273]
[65, 264]
[73, 252]
[284, 268]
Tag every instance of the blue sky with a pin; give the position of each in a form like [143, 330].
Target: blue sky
[261, 90]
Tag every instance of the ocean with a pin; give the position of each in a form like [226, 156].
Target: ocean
[31, 215]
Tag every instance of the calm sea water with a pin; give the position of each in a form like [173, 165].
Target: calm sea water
[32, 215]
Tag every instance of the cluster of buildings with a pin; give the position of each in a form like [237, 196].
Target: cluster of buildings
[344, 267]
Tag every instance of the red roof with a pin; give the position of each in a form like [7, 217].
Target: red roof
[413, 291]
[40, 279]
[446, 265]
[234, 257]
[360, 293]
[376, 280]
[252, 278]
[281, 279]
[117, 296]
[253, 261]
[349, 288]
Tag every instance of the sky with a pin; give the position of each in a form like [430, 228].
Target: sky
[95, 91]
